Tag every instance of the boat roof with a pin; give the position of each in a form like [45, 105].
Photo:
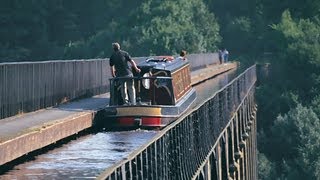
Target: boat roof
[168, 63]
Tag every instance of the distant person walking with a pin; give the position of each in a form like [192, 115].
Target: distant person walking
[225, 55]
[120, 68]
[220, 56]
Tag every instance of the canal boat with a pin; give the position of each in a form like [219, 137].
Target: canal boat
[163, 93]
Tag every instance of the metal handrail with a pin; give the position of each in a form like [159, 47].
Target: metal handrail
[235, 90]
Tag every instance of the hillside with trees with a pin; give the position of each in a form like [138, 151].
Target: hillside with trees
[43, 30]
[285, 34]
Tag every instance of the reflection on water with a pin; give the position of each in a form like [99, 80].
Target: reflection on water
[85, 157]
[88, 156]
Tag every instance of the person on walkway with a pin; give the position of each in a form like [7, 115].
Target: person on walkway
[225, 55]
[120, 68]
[220, 55]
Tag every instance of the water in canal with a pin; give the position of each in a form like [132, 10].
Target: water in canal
[84, 157]
[87, 156]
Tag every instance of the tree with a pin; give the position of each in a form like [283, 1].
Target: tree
[173, 26]
[242, 25]
[297, 138]
[265, 168]
[155, 27]
[301, 54]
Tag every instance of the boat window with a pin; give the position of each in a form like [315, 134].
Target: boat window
[146, 82]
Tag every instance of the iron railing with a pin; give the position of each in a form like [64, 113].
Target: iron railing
[26, 87]
[30, 86]
[181, 150]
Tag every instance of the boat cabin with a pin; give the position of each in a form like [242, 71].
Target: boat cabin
[163, 80]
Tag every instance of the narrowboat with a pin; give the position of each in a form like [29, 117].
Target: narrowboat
[163, 93]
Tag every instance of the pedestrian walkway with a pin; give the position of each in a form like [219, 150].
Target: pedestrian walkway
[27, 132]
[210, 71]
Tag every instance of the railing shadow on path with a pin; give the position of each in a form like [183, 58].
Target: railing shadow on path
[90, 104]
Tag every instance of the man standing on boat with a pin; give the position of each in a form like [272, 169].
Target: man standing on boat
[120, 68]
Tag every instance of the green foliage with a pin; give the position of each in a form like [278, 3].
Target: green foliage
[163, 27]
[265, 168]
[241, 25]
[288, 26]
[297, 138]
[239, 28]
[288, 30]
[293, 79]
[301, 53]
[300, 9]
[315, 104]
[171, 26]
[42, 30]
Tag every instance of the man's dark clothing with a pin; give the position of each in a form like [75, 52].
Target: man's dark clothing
[120, 60]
